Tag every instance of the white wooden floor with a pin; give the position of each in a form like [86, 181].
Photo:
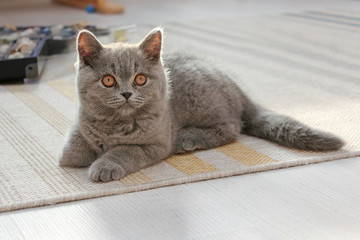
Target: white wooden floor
[318, 201]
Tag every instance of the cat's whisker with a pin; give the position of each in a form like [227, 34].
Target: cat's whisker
[114, 101]
[98, 109]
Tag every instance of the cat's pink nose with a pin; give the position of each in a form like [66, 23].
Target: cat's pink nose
[126, 95]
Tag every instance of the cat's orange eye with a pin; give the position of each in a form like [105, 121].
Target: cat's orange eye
[140, 79]
[108, 81]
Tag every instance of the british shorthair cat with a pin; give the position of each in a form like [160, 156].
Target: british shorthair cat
[137, 107]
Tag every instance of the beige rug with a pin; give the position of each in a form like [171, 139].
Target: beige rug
[305, 65]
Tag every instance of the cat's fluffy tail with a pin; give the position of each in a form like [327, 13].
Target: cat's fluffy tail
[286, 131]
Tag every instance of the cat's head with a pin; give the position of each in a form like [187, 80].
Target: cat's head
[119, 79]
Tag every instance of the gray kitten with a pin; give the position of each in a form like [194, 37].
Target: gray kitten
[137, 108]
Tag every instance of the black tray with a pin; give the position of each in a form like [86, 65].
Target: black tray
[47, 44]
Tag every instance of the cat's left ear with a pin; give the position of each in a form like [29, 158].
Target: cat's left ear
[152, 44]
[88, 46]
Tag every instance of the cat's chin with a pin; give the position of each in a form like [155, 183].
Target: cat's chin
[126, 110]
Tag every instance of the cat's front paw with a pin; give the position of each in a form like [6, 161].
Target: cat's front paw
[72, 157]
[106, 170]
[76, 160]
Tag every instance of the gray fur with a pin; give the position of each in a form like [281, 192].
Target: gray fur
[187, 104]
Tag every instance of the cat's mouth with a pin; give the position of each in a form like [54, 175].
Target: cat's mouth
[127, 104]
[116, 103]
[124, 106]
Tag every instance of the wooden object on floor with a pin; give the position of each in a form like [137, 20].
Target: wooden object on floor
[101, 6]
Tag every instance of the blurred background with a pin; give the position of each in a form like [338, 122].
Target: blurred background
[64, 20]
[46, 12]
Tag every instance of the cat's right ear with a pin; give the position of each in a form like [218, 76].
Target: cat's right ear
[88, 46]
